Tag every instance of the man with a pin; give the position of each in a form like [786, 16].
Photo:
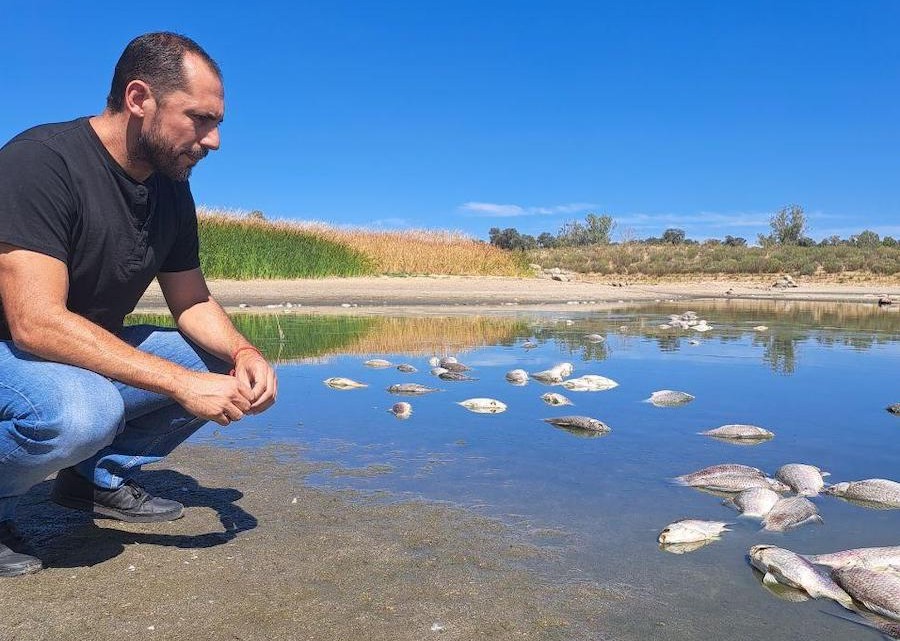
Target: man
[90, 212]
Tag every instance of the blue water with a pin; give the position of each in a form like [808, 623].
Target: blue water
[820, 381]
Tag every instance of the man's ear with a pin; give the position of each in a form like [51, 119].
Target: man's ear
[138, 98]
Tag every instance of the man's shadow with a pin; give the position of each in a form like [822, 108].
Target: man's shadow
[67, 538]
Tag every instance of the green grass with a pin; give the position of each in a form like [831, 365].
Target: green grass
[234, 249]
[662, 260]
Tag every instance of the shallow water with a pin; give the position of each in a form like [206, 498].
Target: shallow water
[820, 377]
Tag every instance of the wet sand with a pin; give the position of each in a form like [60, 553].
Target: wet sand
[429, 293]
[261, 555]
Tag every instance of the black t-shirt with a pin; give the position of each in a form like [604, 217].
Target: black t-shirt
[62, 194]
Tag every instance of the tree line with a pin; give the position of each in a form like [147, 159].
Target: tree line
[788, 227]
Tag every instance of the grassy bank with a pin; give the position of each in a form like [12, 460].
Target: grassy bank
[662, 260]
[233, 245]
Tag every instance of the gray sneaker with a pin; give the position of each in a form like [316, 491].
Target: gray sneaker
[16, 554]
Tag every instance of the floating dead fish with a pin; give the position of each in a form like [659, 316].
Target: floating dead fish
[437, 371]
[702, 327]
[589, 383]
[880, 493]
[407, 368]
[876, 558]
[447, 360]
[669, 398]
[760, 328]
[483, 405]
[805, 480]
[401, 410]
[791, 512]
[455, 376]
[410, 388]
[714, 471]
[585, 423]
[339, 382]
[517, 376]
[877, 591]
[739, 432]
[529, 345]
[894, 409]
[377, 363]
[434, 361]
[555, 374]
[551, 398]
[594, 338]
[685, 548]
[754, 502]
[788, 568]
[692, 531]
[738, 483]
[456, 367]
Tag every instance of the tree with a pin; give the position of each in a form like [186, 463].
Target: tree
[673, 236]
[510, 238]
[735, 241]
[889, 241]
[546, 239]
[865, 238]
[596, 230]
[788, 226]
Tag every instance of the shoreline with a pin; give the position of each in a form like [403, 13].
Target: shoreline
[386, 294]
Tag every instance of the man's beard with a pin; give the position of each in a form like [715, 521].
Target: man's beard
[153, 149]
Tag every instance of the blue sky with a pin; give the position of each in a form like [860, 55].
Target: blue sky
[706, 116]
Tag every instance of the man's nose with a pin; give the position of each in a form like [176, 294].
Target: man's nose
[211, 139]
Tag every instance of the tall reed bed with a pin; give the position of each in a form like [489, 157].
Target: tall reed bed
[662, 260]
[235, 245]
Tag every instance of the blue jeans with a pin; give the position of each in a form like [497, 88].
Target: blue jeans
[54, 416]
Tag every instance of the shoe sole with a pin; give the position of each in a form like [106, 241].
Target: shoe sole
[21, 569]
[110, 513]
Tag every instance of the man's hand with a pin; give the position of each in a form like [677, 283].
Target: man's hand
[255, 372]
[215, 397]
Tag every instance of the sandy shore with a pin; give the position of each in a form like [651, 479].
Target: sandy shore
[388, 293]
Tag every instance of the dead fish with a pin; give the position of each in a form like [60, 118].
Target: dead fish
[529, 345]
[589, 383]
[407, 368]
[739, 483]
[434, 361]
[883, 558]
[548, 376]
[754, 502]
[456, 367]
[691, 531]
[791, 512]
[483, 405]
[410, 388]
[455, 376]
[693, 343]
[401, 410]
[791, 569]
[713, 471]
[760, 328]
[805, 480]
[551, 398]
[894, 409]
[517, 376]
[881, 493]
[684, 548]
[877, 591]
[702, 327]
[578, 423]
[377, 363]
[595, 338]
[669, 398]
[447, 360]
[738, 431]
[339, 382]
[437, 371]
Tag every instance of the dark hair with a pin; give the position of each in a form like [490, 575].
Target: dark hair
[157, 59]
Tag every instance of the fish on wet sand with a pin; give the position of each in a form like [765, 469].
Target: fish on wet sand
[754, 502]
[484, 405]
[881, 493]
[791, 569]
[805, 480]
[407, 368]
[589, 383]
[585, 423]
[552, 398]
[339, 382]
[692, 530]
[455, 376]
[737, 431]
[401, 410]
[377, 363]
[669, 398]
[878, 591]
[875, 558]
[791, 512]
[410, 388]
[517, 376]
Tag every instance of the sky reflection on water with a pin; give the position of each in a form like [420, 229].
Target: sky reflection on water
[820, 378]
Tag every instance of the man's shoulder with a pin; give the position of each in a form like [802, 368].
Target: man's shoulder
[56, 135]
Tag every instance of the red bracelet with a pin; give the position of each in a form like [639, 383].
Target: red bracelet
[242, 349]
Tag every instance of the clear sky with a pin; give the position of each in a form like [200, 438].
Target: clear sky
[466, 115]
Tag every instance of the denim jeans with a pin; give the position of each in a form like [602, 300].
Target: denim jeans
[54, 416]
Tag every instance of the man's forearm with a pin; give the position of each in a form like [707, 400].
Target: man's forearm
[68, 338]
[208, 325]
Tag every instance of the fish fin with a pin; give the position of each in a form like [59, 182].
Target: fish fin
[824, 473]
[817, 519]
[678, 480]
[769, 579]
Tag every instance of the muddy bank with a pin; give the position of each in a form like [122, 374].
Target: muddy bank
[261, 555]
[387, 294]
